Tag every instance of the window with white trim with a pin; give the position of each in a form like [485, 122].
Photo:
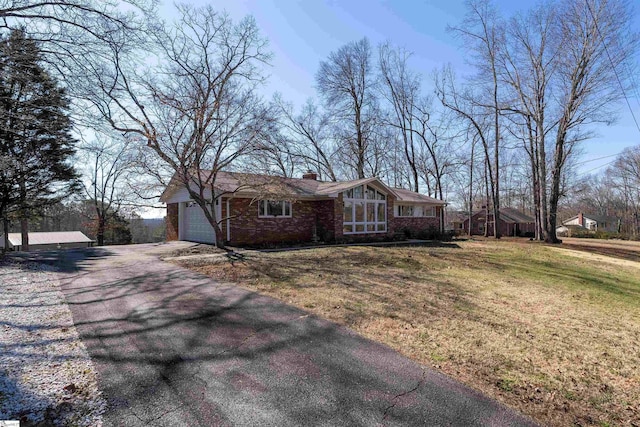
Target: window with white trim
[406, 210]
[365, 210]
[415, 211]
[274, 209]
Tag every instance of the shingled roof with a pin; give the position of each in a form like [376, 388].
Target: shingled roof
[509, 215]
[248, 184]
[411, 196]
[597, 218]
[515, 216]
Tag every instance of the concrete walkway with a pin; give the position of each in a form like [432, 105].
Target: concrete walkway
[175, 348]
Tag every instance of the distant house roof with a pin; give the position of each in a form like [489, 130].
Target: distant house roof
[457, 216]
[601, 218]
[598, 218]
[50, 238]
[245, 183]
[508, 215]
[515, 216]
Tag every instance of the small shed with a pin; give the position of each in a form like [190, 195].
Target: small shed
[49, 240]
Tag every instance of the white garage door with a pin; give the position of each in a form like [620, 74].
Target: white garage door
[196, 226]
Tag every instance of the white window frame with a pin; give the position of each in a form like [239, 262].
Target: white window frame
[417, 211]
[380, 198]
[262, 209]
[402, 214]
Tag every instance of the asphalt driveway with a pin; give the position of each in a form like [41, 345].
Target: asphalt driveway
[175, 348]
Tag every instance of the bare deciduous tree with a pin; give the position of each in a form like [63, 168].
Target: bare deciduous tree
[594, 42]
[198, 110]
[346, 82]
[401, 88]
[108, 164]
[561, 67]
[478, 119]
[482, 33]
[527, 69]
[69, 32]
[312, 143]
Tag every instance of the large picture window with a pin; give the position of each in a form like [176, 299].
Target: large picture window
[365, 210]
[274, 208]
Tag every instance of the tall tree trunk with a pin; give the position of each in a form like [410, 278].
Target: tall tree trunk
[24, 231]
[24, 216]
[486, 204]
[536, 209]
[473, 146]
[542, 190]
[496, 160]
[534, 159]
[5, 232]
[360, 145]
[101, 229]
[554, 196]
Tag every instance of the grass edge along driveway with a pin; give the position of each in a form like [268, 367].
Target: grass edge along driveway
[552, 333]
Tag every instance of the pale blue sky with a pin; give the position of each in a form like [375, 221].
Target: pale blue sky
[303, 32]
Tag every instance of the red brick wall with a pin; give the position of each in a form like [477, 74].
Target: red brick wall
[476, 220]
[505, 228]
[248, 229]
[326, 224]
[338, 218]
[172, 221]
[416, 226]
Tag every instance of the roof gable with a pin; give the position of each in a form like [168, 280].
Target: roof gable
[332, 189]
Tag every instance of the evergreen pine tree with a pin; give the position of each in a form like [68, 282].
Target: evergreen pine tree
[36, 145]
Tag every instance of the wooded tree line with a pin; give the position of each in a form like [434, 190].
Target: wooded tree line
[159, 99]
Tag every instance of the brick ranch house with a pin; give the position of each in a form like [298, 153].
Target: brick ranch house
[262, 210]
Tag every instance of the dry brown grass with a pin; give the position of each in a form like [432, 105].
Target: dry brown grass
[194, 249]
[554, 335]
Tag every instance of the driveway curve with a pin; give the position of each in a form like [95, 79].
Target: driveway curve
[173, 348]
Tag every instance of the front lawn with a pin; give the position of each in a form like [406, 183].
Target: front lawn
[552, 333]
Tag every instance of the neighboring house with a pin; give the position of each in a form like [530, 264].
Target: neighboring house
[455, 221]
[511, 223]
[48, 240]
[590, 222]
[260, 209]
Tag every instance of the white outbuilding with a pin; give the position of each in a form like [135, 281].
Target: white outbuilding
[48, 240]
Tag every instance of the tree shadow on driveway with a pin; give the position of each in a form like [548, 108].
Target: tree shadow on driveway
[173, 347]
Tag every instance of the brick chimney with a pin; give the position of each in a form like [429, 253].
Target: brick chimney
[581, 219]
[310, 175]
